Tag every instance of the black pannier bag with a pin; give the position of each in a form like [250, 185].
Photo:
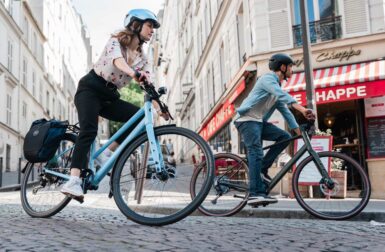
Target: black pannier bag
[43, 139]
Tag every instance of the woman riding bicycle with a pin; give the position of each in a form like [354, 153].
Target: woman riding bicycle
[253, 114]
[97, 95]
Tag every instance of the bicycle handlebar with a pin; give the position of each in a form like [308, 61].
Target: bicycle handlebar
[155, 95]
[309, 127]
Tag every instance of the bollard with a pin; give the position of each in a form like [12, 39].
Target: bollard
[19, 172]
[1, 172]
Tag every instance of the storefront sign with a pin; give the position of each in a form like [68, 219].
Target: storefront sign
[237, 92]
[332, 55]
[344, 93]
[224, 114]
[375, 106]
[310, 174]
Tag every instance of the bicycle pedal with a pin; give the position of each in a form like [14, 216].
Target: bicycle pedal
[79, 199]
[257, 204]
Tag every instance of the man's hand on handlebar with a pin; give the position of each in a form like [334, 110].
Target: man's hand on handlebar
[297, 131]
[309, 115]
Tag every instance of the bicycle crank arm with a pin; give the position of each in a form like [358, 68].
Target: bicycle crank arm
[240, 196]
[214, 201]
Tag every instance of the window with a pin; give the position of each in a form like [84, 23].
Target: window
[10, 55]
[34, 44]
[47, 102]
[41, 54]
[317, 10]
[41, 92]
[202, 100]
[33, 83]
[53, 106]
[297, 11]
[241, 37]
[10, 7]
[60, 12]
[26, 29]
[327, 8]
[215, 95]
[207, 20]
[324, 22]
[222, 64]
[9, 110]
[24, 111]
[25, 71]
[210, 85]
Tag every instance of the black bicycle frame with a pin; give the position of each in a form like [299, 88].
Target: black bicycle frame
[305, 148]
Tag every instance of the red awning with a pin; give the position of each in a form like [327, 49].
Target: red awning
[341, 82]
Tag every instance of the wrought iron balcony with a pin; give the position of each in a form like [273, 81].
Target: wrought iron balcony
[321, 30]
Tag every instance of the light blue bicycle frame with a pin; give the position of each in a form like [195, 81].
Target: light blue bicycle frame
[145, 124]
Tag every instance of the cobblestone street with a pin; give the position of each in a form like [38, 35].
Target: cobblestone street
[100, 229]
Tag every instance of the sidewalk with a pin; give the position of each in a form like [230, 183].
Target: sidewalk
[290, 209]
[285, 208]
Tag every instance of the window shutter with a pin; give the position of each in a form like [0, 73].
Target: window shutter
[355, 16]
[280, 24]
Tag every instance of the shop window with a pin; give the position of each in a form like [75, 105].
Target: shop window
[221, 142]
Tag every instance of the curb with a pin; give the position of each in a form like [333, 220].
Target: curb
[15, 187]
[10, 188]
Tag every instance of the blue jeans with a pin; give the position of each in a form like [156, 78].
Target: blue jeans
[253, 133]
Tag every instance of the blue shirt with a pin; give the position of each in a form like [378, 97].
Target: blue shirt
[266, 96]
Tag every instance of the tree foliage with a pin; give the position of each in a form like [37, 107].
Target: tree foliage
[132, 94]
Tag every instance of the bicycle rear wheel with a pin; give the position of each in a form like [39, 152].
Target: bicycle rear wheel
[344, 199]
[224, 199]
[151, 199]
[40, 192]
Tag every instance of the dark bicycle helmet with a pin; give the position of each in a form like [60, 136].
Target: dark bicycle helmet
[141, 15]
[279, 59]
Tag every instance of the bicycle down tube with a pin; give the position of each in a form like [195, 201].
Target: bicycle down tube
[146, 124]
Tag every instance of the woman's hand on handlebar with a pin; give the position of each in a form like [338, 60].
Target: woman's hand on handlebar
[165, 116]
[141, 77]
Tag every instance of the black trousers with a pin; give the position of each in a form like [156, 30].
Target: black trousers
[95, 97]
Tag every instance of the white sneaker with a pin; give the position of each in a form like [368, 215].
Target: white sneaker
[103, 157]
[261, 199]
[73, 187]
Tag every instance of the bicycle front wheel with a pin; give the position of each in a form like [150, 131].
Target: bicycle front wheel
[40, 192]
[229, 192]
[344, 198]
[152, 199]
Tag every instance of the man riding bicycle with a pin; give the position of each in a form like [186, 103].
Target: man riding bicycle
[251, 121]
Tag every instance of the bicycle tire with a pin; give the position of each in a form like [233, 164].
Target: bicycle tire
[27, 205]
[329, 214]
[131, 150]
[208, 207]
